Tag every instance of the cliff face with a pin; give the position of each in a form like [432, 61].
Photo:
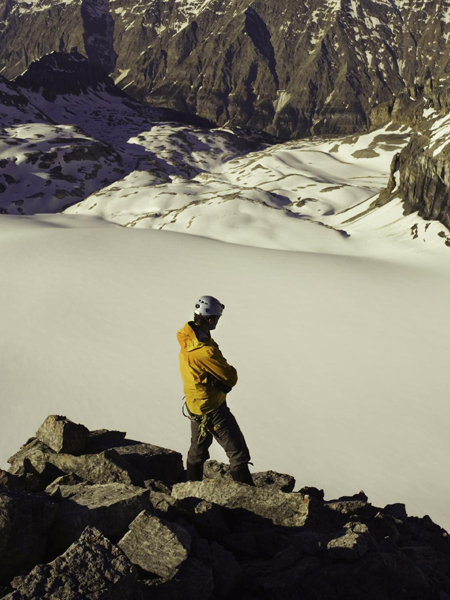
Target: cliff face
[420, 172]
[323, 66]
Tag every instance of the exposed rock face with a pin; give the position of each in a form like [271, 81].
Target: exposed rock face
[206, 540]
[91, 568]
[322, 67]
[420, 174]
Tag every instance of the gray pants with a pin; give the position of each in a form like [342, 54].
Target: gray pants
[223, 427]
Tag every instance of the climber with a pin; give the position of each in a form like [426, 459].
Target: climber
[207, 379]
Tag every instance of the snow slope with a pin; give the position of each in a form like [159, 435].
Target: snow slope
[341, 359]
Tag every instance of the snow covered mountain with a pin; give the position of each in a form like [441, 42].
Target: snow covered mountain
[289, 68]
[102, 153]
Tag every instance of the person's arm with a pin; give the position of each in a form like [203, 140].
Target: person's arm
[216, 364]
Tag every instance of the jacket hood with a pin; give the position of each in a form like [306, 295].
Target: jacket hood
[188, 340]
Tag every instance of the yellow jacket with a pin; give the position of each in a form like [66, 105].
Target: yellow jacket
[198, 359]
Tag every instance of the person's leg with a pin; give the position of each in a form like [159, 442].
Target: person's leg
[198, 453]
[226, 431]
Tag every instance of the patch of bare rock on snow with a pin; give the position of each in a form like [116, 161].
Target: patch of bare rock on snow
[92, 514]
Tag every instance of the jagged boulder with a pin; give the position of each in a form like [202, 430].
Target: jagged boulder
[354, 542]
[62, 435]
[279, 508]
[105, 467]
[91, 568]
[164, 549]
[109, 507]
[152, 461]
[155, 545]
[25, 520]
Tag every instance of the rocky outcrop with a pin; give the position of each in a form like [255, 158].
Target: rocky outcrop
[92, 568]
[420, 174]
[323, 67]
[167, 539]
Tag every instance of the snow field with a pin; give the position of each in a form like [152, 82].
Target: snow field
[341, 360]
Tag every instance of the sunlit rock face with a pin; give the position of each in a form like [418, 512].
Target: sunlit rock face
[289, 68]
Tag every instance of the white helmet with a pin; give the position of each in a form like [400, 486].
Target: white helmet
[207, 306]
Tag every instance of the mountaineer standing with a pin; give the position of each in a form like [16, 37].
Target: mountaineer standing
[207, 379]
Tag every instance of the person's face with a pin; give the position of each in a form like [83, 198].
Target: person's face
[213, 321]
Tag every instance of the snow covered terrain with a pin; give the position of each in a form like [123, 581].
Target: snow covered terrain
[336, 308]
[341, 359]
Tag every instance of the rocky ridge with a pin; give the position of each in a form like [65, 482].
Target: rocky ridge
[333, 67]
[94, 514]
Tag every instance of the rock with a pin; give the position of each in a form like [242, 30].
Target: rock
[91, 568]
[102, 439]
[241, 544]
[109, 507]
[155, 545]
[25, 520]
[280, 481]
[209, 520]
[227, 573]
[54, 489]
[153, 461]
[106, 467]
[308, 543]
[27, 481]
[279, 508]
[353, 544]
[272, 479]
[62, 435]
[194, 581]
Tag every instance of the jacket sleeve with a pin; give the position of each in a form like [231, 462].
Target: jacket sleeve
[214, 362]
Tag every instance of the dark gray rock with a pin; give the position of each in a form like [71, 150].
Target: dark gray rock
[102, 439]
[155, 545]
[106, 467]
[194, 581]
[152, 461]
[25, 520]
[209, 520]
[354, 542]
[279, 508]
[27, 481]
[110, 508]
[226, 571]
[280, 481]
[91, 568]
[62, 435]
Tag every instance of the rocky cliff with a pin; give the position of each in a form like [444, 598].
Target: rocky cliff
[92, 514]
[333, 66]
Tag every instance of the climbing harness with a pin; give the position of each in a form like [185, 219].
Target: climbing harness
[201, 419]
